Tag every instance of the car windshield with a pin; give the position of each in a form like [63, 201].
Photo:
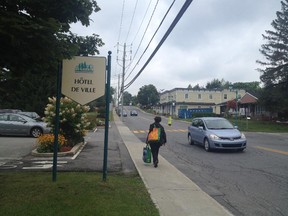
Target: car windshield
[217, 124]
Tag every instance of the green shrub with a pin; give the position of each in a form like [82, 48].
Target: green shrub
[73, 119]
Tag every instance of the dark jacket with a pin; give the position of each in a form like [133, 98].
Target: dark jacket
[163, 139]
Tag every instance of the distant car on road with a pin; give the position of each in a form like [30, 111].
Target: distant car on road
[133, 113]
[124, 113]
[16, 124]
[120, 113]
[215, 133]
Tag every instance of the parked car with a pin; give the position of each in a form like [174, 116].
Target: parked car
[215, 133]
[133, 113]
[32, 115]
[16, 124]
[9, 110]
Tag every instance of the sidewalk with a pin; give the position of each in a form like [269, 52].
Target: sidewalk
[172, 192]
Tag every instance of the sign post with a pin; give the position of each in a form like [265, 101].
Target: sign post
[107, 98]
[83, 80]
[56, 130]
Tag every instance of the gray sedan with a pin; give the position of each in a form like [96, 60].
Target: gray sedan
[15, 124]
[215, 133]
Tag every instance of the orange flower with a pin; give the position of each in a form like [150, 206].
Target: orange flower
[46, 141]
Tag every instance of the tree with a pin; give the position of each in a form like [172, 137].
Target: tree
[251, 87]
[231, 104]
[30, 35]
[127, 98]
[33, 41]
[214, 84]
[217, 84]
[189, 87]
[197, 87]
[148, 95]
[274, 71]
[134, 100]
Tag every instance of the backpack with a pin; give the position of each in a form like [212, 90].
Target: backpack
[154, 135]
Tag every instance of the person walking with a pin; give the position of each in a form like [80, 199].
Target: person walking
[155, 145]
[170, 120]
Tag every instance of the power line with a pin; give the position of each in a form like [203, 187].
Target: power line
[131, 20]
[175, 21]
[121, 20]
[146, 28]
[151, 39]
[142, 21]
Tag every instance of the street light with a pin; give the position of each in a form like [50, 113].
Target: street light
[173, 107]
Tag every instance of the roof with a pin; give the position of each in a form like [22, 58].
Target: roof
[248, 99]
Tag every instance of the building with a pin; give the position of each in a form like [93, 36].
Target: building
[172, 102]
[248, 106]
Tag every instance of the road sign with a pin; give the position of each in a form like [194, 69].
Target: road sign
[83, 78]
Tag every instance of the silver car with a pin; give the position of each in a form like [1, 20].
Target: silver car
[216, 133]
[16, 124]
[32, 115]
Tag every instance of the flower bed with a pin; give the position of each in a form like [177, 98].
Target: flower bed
[72, 151]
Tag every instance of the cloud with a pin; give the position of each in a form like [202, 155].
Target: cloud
[213, 40]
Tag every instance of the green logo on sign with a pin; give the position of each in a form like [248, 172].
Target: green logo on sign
[84, 68]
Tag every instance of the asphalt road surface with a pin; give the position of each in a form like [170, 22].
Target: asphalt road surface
[253, 182]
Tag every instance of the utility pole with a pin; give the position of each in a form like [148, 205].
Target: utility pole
[123, 75]
[118, 90]
[123, 65]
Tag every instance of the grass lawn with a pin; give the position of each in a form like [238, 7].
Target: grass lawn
[260, 126]
[257, 125]
[74, 193]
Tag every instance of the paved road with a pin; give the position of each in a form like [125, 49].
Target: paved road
[254, 182]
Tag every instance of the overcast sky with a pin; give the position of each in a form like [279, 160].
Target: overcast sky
[215, 39]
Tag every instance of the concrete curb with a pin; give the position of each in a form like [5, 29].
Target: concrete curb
[72, 152]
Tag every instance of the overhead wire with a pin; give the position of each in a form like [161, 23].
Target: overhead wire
[175, 21]
[148, 24]
[120, 28]
[167, 12]
[121, 20]
[140, 26]
[131, 20]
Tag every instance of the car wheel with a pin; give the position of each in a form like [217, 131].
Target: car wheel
[36, 132]
[190, 141]
[207, 145]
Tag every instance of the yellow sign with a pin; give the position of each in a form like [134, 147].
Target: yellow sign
[83, 78]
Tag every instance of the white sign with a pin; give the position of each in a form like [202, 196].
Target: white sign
[83, 78]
